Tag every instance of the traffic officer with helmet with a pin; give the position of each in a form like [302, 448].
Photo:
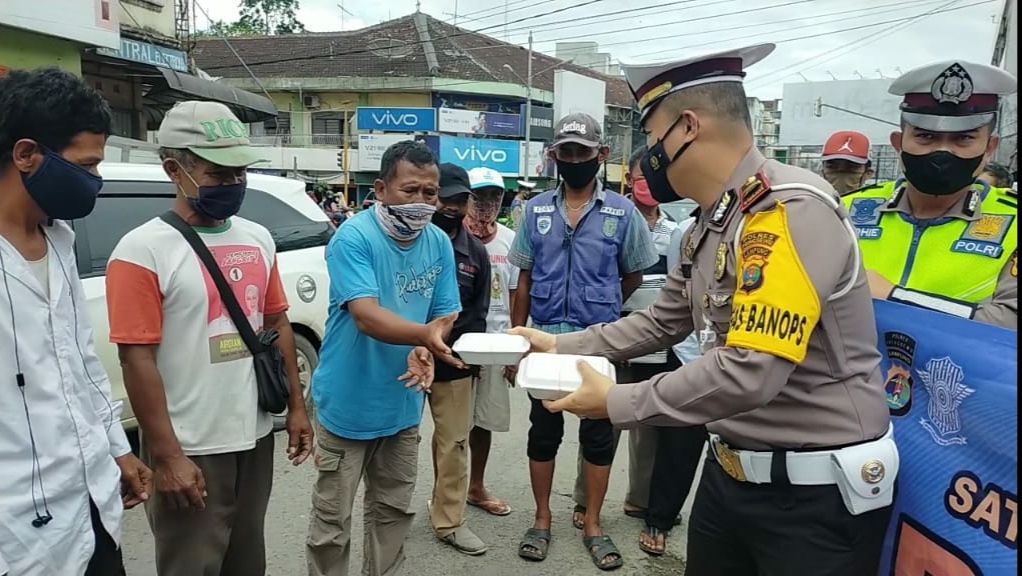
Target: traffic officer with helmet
[581, 251]
[801, 469]
[939, 238]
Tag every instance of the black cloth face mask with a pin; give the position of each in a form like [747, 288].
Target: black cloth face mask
[940, 173]
[449, 223]
[654, 166]
[579, 175]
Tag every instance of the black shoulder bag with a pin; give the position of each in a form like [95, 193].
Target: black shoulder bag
[271, 372]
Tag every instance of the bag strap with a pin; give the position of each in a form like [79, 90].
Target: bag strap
[226, 293]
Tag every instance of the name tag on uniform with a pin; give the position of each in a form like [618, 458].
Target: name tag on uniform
[543, 209]
[610, 210]
[869, 232]
[984, 236]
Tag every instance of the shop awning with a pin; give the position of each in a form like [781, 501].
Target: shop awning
[176, 86]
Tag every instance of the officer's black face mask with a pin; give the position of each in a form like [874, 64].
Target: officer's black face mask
[654, 166]
[940, 173]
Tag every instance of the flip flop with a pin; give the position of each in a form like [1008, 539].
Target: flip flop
[653, 533]
[604, 547]
[579, 524]
[538, 540]
[492, 506]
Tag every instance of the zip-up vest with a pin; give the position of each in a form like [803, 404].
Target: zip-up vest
[949, 257]
[575, 275]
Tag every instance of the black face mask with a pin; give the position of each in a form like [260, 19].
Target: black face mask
[449, 223]
[940, 173]
[654, 166]
[579, 175]
[61, 189]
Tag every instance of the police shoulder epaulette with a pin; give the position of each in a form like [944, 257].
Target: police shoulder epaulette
[863, 189]
[754, 189]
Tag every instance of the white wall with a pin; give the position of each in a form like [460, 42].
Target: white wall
[577, 93]
[79, 20]
[157, 15]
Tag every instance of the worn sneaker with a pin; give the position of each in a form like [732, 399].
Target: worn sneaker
[465, 541]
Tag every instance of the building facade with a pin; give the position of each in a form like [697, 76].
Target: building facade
[342, 96]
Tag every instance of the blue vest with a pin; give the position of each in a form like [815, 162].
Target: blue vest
[575, 275]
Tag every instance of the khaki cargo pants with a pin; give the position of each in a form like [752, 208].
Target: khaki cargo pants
[389, 466]
[450, 403]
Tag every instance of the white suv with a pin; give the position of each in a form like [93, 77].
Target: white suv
[135, 193]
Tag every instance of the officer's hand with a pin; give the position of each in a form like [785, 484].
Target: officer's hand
[879, 286]
[539, 341]
[590, 400]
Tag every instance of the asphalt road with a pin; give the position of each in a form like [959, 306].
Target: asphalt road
[507, 476]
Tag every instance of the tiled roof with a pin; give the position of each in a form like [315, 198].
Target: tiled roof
[392, 49]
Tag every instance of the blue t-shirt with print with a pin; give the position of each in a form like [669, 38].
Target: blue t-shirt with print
[356, 387]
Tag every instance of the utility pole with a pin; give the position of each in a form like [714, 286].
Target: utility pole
[528, 113]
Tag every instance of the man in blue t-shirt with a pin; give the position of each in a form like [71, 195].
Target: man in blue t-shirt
[393, 300]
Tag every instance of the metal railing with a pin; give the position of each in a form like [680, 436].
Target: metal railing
[304, 140]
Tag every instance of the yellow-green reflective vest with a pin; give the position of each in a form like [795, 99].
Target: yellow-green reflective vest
[947, 257]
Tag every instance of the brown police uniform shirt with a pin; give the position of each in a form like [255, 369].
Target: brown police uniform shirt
[1002, 309]
[790, 370]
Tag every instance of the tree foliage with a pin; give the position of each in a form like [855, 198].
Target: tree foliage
[260, 17]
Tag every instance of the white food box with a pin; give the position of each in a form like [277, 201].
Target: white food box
[481, 349]
[554, 376]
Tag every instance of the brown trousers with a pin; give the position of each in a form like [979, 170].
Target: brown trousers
[389, 466]
[226, 538]
[450, 403]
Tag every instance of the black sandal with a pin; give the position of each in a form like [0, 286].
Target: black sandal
[534, 545]
[579, 509]
[604, 547]
[654, 533]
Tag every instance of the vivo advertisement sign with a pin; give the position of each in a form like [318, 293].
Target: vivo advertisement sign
[504, 156]
[396, 119]
[473, 122]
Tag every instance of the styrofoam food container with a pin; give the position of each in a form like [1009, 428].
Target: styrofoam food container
[554, 376]
[480, 349]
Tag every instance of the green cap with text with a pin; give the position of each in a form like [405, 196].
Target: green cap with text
[210, 131]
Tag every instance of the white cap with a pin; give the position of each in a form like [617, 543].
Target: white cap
[650, 83]
[952, 96]
[482, 177]
[524, 184]
[210, 131]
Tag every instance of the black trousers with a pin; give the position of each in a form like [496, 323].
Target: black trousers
[678, 452]
[106, 558]
[741, 529]
[596, 438]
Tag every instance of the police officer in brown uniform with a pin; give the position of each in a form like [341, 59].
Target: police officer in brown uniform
[799, 478]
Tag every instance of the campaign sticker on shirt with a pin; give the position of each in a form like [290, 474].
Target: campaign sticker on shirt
[776, 307]
[247, 273]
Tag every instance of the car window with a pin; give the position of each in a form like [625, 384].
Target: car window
[123, 206]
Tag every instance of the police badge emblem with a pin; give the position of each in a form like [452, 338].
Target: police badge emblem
[952, 86]
[873, 472]
[690, 247]
[543, 224]
[609, 226]
[945, 382]
[720, 267]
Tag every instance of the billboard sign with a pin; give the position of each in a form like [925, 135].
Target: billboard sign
[91, 22]
[542, 123]
[146, 53]
[371, 148]
[504, 156]
[578, 93]
[535, 162]
[473, 122]
[871, 110]
[474, 102]
[396, 119]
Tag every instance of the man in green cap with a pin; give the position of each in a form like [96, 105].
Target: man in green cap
[188, 372]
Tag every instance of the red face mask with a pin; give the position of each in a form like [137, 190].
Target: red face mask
[641, 193]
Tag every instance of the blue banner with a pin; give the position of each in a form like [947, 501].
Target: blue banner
[504, 156]
[396, 119]
[476, 102]
[952, 388]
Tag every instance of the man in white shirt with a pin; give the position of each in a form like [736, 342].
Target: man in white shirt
[191, 382]
[492, 412]
[66, 469]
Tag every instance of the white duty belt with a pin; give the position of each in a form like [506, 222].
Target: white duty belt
[864, 473]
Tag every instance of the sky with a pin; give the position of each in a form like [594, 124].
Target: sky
[816, 39]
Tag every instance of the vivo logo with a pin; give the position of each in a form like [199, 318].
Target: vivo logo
[388, 118]
[473, 153]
